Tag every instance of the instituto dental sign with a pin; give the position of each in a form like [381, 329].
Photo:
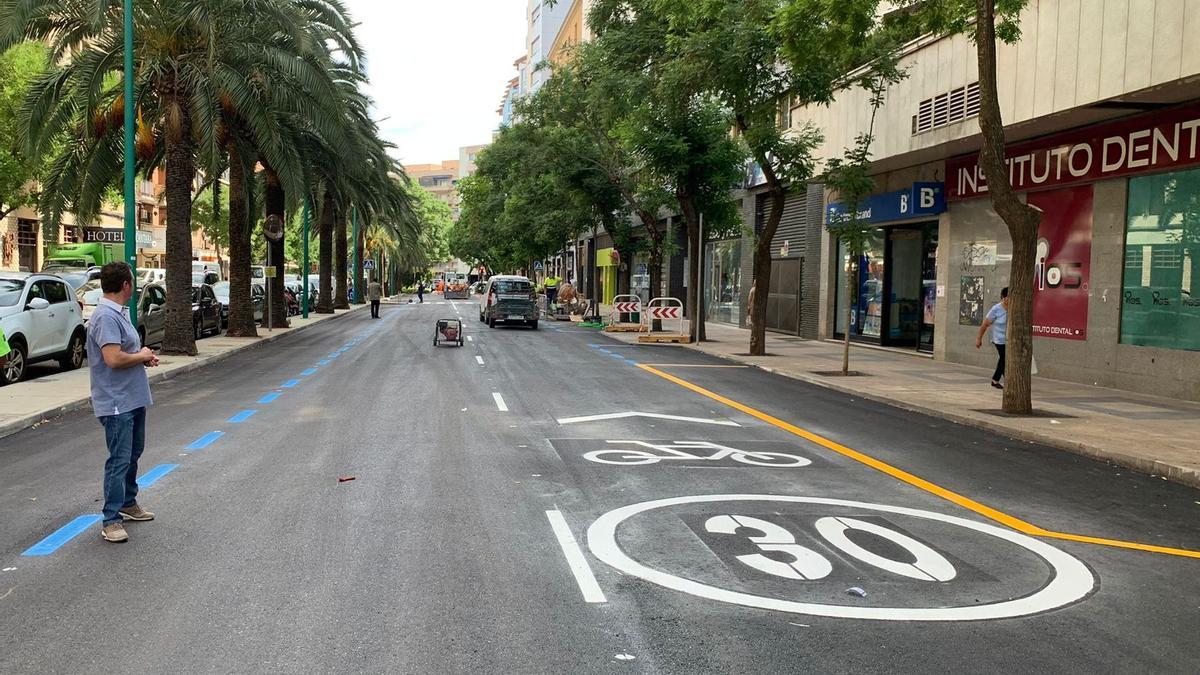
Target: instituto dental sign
[922, 199]
[1151, 142]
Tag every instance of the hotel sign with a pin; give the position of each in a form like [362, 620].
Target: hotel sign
[1152, 142]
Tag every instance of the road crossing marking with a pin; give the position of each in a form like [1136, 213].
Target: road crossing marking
[916, 481]
[479, 359]
[575, 560]
[499, 401]
[470, 338]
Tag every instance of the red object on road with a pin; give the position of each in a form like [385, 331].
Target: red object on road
[345, 479]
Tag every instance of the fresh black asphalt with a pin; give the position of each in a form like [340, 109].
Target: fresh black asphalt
[439, 557]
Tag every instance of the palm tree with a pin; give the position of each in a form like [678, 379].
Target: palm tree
[194, 57]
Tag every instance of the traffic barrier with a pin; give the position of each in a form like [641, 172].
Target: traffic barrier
[623, 307]
[663, 309]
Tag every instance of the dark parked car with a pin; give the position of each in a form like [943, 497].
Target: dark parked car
[258, 300]
[206, 311]
[509, 299]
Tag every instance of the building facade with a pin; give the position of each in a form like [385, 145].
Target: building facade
[1102, 119]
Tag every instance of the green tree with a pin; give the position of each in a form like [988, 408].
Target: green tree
[986, 22]
[20, 65]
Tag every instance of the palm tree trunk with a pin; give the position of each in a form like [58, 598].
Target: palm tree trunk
[181, 171]
[274, 199]
[359, 288]
[340, 263]
[325, 256]
[241, 308]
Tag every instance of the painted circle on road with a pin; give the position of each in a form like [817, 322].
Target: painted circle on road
[1070, 579]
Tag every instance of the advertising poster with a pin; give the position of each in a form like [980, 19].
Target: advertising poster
[1063, 267]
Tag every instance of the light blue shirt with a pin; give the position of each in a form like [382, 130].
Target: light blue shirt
[999, 318]
[115, 390]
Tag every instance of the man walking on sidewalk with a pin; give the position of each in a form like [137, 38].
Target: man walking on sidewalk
[117, 363]
[997, 320]
[374, 291]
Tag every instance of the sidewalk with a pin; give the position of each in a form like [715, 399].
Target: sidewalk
[1158, 436]
[32, 401]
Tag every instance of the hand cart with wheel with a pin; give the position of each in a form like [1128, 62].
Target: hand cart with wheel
[448, 330]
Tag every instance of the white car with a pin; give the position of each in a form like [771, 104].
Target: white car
[149, 275]
[42, 320]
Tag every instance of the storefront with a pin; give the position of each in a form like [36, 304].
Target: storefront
[896, 277]
[723, 281]
[1115, 299]
[608, 261]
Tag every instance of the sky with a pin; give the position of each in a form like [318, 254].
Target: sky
[438, 69]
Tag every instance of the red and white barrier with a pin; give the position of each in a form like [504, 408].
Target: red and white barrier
[622, 307]
[663, 309]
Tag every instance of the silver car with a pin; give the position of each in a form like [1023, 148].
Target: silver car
[152, 302]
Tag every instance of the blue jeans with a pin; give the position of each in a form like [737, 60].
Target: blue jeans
[125, 435]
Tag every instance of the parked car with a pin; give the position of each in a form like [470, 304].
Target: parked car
[207, 277]
[152, 301]
[42, 321]
[206, 311]
[77, 278]
[149, 275]
[509, 299]
[258, 300]
[206, 267]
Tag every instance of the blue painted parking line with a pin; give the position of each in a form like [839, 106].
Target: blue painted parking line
[310, 371]
[323, 362]
[242, 416]
[62, 535]
[334, 355]
[151, 477]
[270, 397]
[205, 440]
[290, 383]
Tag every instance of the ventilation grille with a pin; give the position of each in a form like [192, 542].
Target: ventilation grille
[943, 109]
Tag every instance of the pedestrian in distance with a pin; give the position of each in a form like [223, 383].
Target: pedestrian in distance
[997, 320]
[374, 292]
[117, 364]
[421, 292]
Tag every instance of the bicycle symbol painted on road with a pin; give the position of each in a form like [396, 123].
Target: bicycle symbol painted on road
[652, 453]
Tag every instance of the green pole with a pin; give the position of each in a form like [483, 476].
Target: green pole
[130, 204]
[304, 268]
[354, 254]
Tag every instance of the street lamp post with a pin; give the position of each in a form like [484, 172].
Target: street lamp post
[354, 256]
[130, 204]
[304, 290]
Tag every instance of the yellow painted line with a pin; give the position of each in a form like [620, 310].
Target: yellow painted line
[916, 481]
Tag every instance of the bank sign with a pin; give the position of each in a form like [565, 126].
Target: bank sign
[1152, 142]
[922, 199]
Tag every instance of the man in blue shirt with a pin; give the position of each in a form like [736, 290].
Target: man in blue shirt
[997, 320]
[117, 362]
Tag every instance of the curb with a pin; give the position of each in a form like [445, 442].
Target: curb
[1183, 475]
[14, 426]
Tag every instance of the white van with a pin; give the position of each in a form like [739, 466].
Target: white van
[205, 267]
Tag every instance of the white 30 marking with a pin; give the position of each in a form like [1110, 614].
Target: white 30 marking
[1069, 579]
[930, 565]
[807, 563]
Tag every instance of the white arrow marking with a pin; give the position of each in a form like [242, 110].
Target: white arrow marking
[620, 415]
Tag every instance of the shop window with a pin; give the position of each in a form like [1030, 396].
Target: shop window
[1160, 305]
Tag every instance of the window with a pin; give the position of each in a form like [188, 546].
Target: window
[512, 286]
[56, 291]
[1160, 306]
[948, 108]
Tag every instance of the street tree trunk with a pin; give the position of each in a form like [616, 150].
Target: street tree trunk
[359, 287]
[241, 308]
[762, 262]
[325, 255]
[341, 293]
[274, 199]
[181, 171]
[1022, 220]
[851, 291]
[695, 310]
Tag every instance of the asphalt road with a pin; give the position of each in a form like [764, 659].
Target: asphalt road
[486, 531]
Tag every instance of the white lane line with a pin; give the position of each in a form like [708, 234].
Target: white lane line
[470, 338]
[574, 555]
[499, 401]
[660, 416]
[479, 359]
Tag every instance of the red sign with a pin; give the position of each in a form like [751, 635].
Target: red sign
[1151, 142]
[1064, 261]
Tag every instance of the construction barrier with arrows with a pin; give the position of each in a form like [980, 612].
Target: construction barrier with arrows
[625, 315]
[663, 309]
